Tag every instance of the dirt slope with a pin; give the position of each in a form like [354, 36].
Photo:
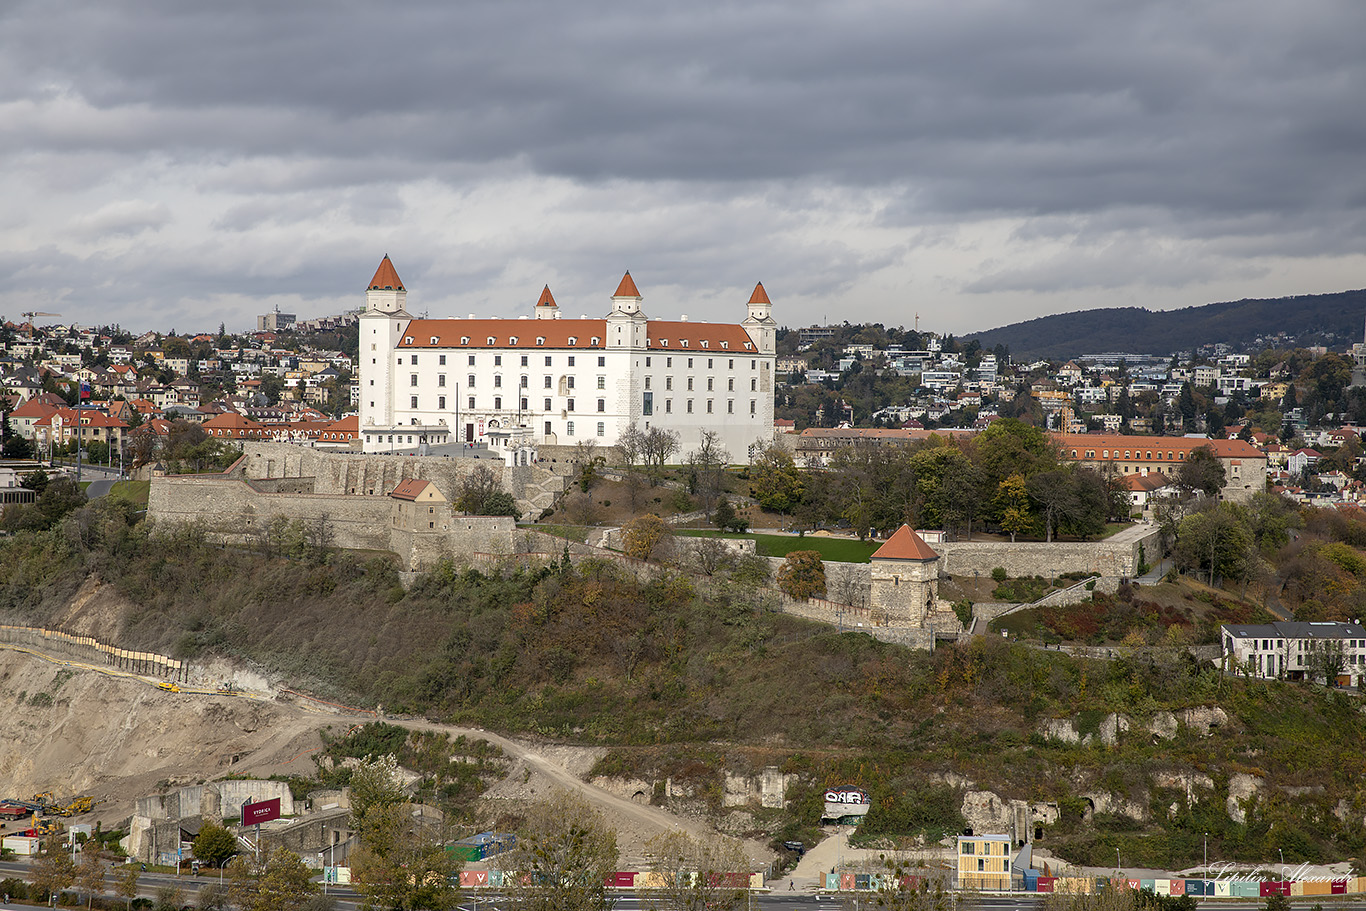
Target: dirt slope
[81, 729]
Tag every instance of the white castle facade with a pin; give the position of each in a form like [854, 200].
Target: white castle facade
[551, 381]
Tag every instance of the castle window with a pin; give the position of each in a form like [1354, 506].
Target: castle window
[513, 341]
[434, 339]
[441, 379]
[441, 360]
[492, 340]
[602, 429]
[573, 340]
[497, 381]
[684, 343]
[464, 339]
[540, 340]
[602, 404]
[664, 343]
[497, 403]
[569, 428]
[471, 403]
[408, 340]
[413, 380]
[414, 401]
[596, 340]
[547, 405]
[441, 403]
[470, 381]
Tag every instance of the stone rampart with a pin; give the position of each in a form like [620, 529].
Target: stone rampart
[355, 474]
[1117, 556]
[236, 510]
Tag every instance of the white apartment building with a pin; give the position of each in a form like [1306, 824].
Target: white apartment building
[1286, 649]
[554, 381]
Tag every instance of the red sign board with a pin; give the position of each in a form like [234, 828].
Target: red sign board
[256, 813]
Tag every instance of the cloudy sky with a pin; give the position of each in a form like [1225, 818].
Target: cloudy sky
[180, 164]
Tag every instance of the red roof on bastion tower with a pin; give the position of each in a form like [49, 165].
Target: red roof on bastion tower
[386, 278]
[760, 296]
[905, 544]
[627, 288]
[547, 299]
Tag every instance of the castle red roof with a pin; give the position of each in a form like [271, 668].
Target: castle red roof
[386, 278]
[627, 288]
[547, 299]
[410, 489]
[905, 544]
[760, 296]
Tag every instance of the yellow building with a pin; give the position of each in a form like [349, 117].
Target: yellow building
[984, 862]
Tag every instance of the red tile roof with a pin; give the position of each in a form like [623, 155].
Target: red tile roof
[1180, 447]
[905, 544]
[627, 288]
[760, 296]
[660, 334]
[410, 489]
[386, 278]
[547, 299]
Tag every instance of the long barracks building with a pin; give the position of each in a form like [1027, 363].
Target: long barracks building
[554, 381]
[1244, 464]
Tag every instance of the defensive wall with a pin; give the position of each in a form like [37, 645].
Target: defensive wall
[236, 510]
[276, 465]
[1117, 556]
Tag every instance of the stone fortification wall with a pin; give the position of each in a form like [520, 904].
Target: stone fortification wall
[347, 473]
[235, 509]
[847, 583]
[466, 535]
[215, 800]
[1118, 558]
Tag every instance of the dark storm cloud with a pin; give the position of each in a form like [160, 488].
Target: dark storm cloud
[1103, 130]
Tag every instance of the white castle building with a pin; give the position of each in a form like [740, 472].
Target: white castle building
[554, 381]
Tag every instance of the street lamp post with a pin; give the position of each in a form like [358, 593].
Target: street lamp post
[222, 865]
[1207, 855]
[1118, 866]
[1281, 852]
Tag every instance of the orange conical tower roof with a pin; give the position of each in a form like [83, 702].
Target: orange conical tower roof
[547, 299]
[627, 288]
[760, 296]
[905, 545]
[386, 279]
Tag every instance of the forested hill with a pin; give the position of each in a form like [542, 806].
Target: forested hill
[1310, 319]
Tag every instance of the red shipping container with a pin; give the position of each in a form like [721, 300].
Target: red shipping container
[1177, 887]
[847, 882]
[1046, 883]
[1339, 887]
[621, 880]
[1275, 887]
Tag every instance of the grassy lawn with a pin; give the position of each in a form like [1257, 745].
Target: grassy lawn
[839, 550]
[134, 491]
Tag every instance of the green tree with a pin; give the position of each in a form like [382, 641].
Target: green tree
[565, 852]
[375, 786]
[53, 869]
[1326, 660]
[707, 470]
[477, 489]
[775, 481]
[14, 446]
[802, 575]
[1056, 497]
[1202, 473]
[725, 517]
[1215, 541]
[285, 884]
[403, 867]
[214, 845]
[1012, 505]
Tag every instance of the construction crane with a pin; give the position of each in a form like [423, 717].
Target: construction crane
[36, 313]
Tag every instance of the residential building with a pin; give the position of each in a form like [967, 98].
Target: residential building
[1244, 464]
[567, 380]
[983, 863]
[1288, 649]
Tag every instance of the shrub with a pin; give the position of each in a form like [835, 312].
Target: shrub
[999, 575]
